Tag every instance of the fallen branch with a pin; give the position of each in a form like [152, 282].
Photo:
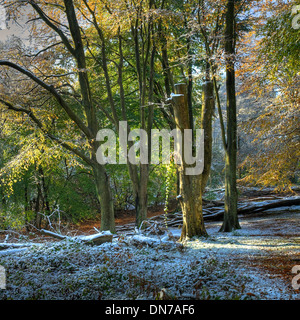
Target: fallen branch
[53, 234]
[94, 239]
[214, 211]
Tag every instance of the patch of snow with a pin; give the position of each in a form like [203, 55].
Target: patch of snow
[94, 236]
[173, 95]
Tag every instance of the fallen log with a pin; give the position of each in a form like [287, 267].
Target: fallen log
[257, 207]
[139, 240]
[216, 213]
[272, 204]
[94, 239]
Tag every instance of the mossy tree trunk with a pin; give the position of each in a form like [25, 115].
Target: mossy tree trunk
[189, 185]
[104, 195]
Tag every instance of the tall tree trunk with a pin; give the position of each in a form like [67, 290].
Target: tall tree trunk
[103, 187]
[101, 178]
[208, 106]
[145, 51]
[231, 197]
[104, 195]
[190, 185]
[190, 82]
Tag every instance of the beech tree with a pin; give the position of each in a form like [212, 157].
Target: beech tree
[191, 192]
[230, 214]
[139, 32]
[88, 126]
[63, 21]
[275, 87]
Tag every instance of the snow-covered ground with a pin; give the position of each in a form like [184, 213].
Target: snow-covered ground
[149, 267]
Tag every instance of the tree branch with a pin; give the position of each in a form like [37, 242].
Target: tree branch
[222, 125]
[52, 26]
[49, 135]
[72, 115]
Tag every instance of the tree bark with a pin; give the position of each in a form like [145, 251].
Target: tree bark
[104, 195]
[26, 203]
[208, 106]
[231, 196]
[142, 196]
[190, 186]
[101, 178]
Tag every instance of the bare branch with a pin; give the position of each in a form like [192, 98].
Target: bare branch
[43, 50]
[47, 20]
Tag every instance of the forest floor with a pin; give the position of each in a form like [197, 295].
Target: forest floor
[252, 263]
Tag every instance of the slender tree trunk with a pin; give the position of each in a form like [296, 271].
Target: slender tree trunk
[190, 186]
[142, 203]
[38, 216]
[231, 196]
[168, 79]
[26, 203]
[190, 83]
[145, 51]
[208, 106]
[44, 191]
